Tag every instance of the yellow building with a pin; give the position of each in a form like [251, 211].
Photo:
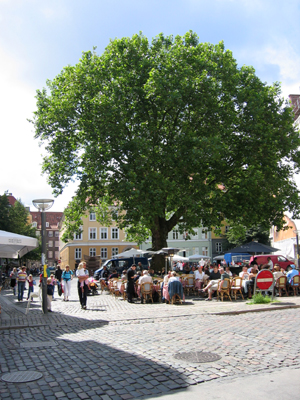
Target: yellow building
[96, 243]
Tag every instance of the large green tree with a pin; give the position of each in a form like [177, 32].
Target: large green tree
[169, 132]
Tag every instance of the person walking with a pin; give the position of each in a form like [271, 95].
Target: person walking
[30, 288]
[22, 276]
[82, 290]
[58, 275]
[67, 276]
[13, 280]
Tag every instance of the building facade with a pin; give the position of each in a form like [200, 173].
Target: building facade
[95, 242]
[199, 243]
[53, 219]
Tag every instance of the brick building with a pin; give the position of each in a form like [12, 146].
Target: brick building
[53, 219]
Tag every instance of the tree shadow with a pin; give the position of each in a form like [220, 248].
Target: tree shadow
[75, 355]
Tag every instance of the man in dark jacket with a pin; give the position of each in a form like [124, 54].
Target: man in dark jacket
[130, 283]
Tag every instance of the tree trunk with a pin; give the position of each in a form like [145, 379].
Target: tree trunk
[159, 240]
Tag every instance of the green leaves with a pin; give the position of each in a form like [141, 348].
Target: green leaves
[171, 126]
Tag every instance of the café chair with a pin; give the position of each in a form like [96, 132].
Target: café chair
[146, 291]
[295, 283]
[281, 285]
[236, 287]
[224, 289]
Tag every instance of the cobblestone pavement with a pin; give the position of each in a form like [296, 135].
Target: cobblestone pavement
[116, 350]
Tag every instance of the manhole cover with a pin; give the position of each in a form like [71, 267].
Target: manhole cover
[197, 357]
[39, 344]
[23, 376]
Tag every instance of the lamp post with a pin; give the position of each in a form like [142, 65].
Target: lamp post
[42, 205]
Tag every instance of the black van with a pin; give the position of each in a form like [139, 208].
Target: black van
[120, 264]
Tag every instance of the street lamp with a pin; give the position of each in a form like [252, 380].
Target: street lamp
[42, 205]
[297, 243]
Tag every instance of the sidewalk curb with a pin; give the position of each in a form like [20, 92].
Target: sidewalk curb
[254, 310]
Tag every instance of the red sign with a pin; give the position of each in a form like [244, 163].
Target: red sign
[264, 279]
[58, 261]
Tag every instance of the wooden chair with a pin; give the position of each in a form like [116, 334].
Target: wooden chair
[146, 290]
[224, 289]
[281, 285]
[236, 286]
[295, 283]
[32, 296]
[189, 284]
[175, 299]
[111, 286]
[117, 287]
[103, 285]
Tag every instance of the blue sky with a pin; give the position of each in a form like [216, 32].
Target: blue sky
[38, 38]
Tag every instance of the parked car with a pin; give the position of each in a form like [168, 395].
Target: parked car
[276, 259]
[120, 264]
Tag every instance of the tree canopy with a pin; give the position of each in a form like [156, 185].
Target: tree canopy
[169, 133]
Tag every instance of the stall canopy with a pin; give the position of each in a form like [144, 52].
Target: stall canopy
[14, 246]
[253, 247]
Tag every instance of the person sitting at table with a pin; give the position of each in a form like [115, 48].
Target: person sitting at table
[199, 277]
[227, 270]
[290, 275]
[143, 279]
[173, 277]
[277, 273]
[124, 274]
[167, 277]
[137, 276]
[193, 270]
[250, 282]
[114, 275]
[214, 277]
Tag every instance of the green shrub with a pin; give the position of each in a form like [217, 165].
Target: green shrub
[259, 298]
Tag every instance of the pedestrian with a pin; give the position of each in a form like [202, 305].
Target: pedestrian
[22, 276]
[13, 280]
[30, 288]
[67, 276]
[130, 283]
[82, 291]
[58, 275]
[49, 294]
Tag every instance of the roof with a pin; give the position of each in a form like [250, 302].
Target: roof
[52, 217]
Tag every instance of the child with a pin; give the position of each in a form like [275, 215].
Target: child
[81, 272]
[49, 293]
[53, 280]
[30, 283]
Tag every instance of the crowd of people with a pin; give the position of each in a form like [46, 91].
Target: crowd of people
[207, 278]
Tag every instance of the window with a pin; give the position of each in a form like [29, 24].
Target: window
[50, 243]
[114, 251]
[175, 234]
[50, 233]
[56, 233]
[77, 254]
[195, 250]
[103, 233]
[93, 233]
[57, 243]
[219, 247]
[92, 252]
[57, 255]
[227, 228]
[103, 253]
[92, 216]
[47, 224]
[78, 236]
[34, 224]
[114, 233]
[205, 251]
[50, 254]
[37, 233]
